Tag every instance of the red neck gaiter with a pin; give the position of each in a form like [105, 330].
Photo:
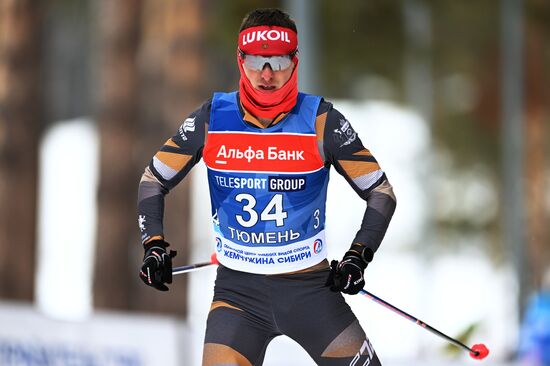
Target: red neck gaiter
[268, 105]
[268, 41]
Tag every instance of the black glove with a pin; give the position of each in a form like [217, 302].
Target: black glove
[347, 276]
[157, 265]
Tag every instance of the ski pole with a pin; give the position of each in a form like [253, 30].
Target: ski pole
[196, 266]
[478, 351]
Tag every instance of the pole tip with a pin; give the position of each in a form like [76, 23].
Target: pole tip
[479, 351]
[214, 259]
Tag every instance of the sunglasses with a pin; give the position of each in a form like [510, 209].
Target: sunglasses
[257, 63]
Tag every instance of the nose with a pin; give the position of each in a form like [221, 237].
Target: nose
[267, 73]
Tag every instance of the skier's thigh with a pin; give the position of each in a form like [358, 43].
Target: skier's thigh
[220, 354]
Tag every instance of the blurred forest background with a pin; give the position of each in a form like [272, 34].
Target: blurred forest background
[477, 71]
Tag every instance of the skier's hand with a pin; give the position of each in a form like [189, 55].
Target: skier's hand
[347, 276]
[156, 270]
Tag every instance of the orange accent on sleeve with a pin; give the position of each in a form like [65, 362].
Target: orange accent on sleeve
[157, 237]
[363, 152]
[173, 160]
[320, 123]
[169, 142]
[356, 169]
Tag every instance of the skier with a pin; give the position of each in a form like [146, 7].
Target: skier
[268, 150]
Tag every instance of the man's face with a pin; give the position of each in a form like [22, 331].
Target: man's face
[266, 79]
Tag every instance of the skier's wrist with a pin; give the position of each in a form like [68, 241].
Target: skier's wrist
[363, 252]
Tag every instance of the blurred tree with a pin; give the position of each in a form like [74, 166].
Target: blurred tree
[537, 116]
[362, 47]
[67, 59]
[21, 111]
[118, 91]
[466, 39]
[173, 79]
[151, 78]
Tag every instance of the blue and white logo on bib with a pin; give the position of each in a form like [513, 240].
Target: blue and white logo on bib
[317, 246]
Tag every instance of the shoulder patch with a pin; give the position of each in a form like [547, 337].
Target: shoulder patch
[345, 134]
[187, 126]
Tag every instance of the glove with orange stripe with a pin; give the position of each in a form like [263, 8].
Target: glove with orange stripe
[156, 270]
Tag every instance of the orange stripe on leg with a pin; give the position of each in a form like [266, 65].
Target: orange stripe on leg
[218, 304]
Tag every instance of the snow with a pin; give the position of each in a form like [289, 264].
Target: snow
[68, 179]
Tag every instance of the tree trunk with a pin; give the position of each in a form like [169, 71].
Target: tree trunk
[153, 98]
[172, 75]
[118, 88]
[536, 119]
[20, 125]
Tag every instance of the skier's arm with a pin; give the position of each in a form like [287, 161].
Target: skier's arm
[344, 150]
[167, 168]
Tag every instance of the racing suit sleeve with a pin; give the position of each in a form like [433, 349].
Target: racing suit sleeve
[344, 150]
[167, 168]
